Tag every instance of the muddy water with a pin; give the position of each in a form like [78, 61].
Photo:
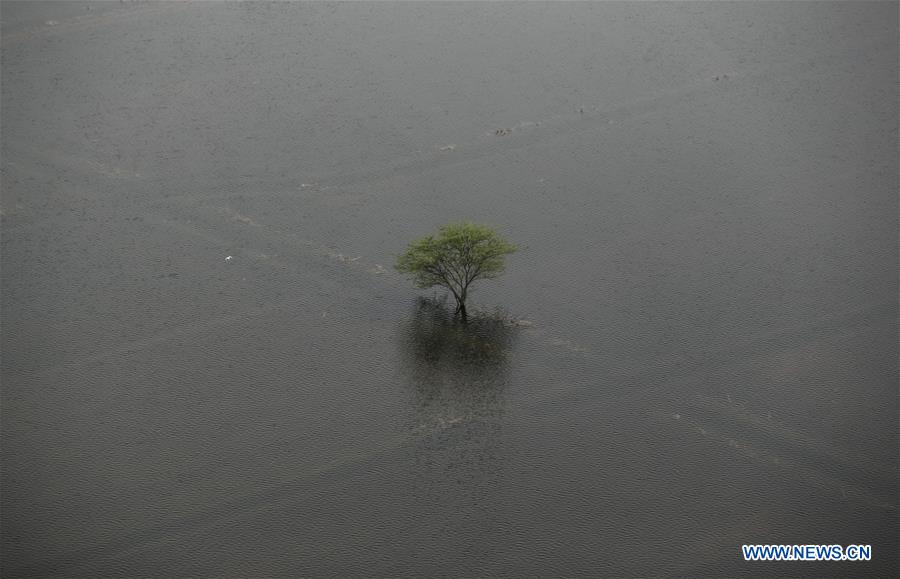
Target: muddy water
[706, 355]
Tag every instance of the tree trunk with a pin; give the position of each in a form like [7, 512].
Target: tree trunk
[461, 305]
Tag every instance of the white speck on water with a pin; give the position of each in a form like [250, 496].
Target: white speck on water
[229, 257]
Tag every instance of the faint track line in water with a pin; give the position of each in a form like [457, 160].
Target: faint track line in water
[741, 416]
[86, 21]
[813, 476]
[280, 492]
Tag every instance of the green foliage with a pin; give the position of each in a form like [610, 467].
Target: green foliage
[458, 255]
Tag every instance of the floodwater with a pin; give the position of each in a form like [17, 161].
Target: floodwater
[209, 367]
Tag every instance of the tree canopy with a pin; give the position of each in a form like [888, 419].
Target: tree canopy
[458, 255]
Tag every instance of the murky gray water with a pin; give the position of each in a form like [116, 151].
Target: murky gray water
[706, 197]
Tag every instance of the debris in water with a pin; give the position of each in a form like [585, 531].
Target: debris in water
[229, 257]
[448, 147]
[244, 219]
[343, 258]
[502, 132]
[377, 270]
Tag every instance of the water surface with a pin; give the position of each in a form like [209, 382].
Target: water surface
[706, 199]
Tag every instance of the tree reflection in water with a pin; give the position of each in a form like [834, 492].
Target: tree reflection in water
[457, 377]
[458, 372]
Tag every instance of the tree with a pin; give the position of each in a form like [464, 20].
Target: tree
[458, 255]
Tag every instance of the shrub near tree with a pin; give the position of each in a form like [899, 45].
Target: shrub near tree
[460, 254]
